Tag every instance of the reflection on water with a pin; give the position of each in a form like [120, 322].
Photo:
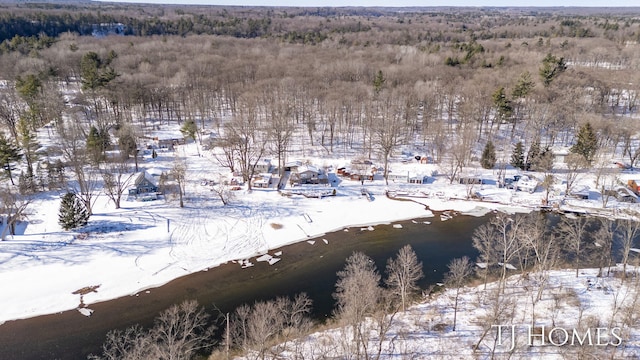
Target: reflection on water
[303, 268]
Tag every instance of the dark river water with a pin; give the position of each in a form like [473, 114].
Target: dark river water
[303, 268]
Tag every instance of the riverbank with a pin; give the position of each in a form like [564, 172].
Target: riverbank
[576, 316]
[307, 266]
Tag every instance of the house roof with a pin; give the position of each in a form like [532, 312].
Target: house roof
[305, 168]
[145, 175]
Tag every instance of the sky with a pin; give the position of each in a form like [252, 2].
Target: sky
[403, 3]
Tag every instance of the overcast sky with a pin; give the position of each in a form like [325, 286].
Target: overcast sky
[402, 3]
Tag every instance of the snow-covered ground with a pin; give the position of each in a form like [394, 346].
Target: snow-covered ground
[146, 244]
[584, 317]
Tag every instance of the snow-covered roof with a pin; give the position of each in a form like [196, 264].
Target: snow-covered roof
[305, 168]
[145, 175]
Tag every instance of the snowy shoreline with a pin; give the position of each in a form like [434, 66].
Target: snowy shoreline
[123, 261]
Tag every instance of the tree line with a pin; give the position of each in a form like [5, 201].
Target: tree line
[364, 91]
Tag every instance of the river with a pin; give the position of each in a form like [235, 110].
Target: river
[304, 268]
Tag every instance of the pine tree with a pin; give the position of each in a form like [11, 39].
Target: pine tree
[517, 156]
[504, 108]
[9, 153]
[524, 86]
[551, 68]
[73, 214]
[533, 154]
[378, 82]
[488, 160]
[97, 143]
[586, 142]
[189, 130]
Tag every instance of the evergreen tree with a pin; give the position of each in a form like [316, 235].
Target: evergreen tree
[96, 72]
[517, 156]
[189, 130]
[488, 160]
[543, 162]
[533, 154]
[73, 214]
[97, 143]
[586, 142]
[28, 143]
[9, 153]
[504, 109]
[551, 68]
[378, 82]
[524, 86]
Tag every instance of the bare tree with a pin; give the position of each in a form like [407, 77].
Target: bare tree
[281, 127]
[357, 293]
[179, 173]
[133, 343]
[117, 177]
[627, 231]
[75, 155]
[243, 136]
[458, 274]
[574, 233]
[575, 163]
[507, 243]
[258, 327]
[603, 241]
[13, 207]
[179, 333]
[403, 273]
[389, 129]
[484, 238]
[222, 189]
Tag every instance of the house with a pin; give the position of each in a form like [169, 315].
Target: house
[408, 178]
[169, 144]
[292, 165]
[144, 184]
[397, 177]
[560, 154]
[261, 181]
[418, 179]
[307, 174]
[263, 166]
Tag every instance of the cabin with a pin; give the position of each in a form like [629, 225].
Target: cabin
[263, 166]
[144, 185]
[261, 181]
[307, 174]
